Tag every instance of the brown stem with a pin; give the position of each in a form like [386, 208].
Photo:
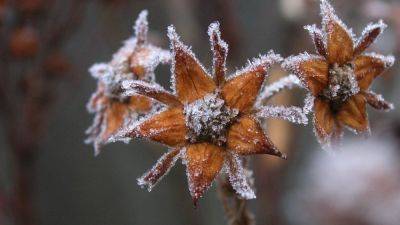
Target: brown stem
[236, 211]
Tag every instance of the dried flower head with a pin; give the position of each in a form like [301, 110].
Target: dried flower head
[209, 121]
[136, 60]
[340, 76]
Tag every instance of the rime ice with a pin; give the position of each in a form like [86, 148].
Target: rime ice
[208, 119]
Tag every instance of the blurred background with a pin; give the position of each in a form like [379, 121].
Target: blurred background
[48, 175]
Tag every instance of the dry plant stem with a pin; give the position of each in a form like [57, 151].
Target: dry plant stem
[236, 211]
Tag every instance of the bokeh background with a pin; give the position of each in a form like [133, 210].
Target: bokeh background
[46, 48]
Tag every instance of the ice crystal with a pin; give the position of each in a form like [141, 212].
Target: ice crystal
[328, 14]
[284, 83]
[209, 118]
[176, 44]
[387, 60]
[239, 177]
[372, 27]
[159, 170]
[261, 62]
[292, 114]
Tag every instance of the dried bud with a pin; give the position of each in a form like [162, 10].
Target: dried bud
[24, 42]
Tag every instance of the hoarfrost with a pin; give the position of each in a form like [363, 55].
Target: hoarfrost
[208, 117]
[371, 28]
[151, 178]
[141, 27]
[292, 114]
[308, 104]
[239, 177]
[176, 45]
[292, 63]
[287, 82]
[387, 60]
[263, 61]
[316, 33]
[329, 15]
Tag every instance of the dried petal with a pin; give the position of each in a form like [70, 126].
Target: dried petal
[312, 71]
[159, 170]
[114, 119]
[140, 103]
[246, 137]
[154, 91]
[141, 27]
[190, 78]
[324, 120]
[240, 92]
[220, 52]
[377, 101]
[369, 35]
[353, 113]
[340, 44]
[238, 178]
[318, 39]
[167, 127]
[369, 66]
[203, 163]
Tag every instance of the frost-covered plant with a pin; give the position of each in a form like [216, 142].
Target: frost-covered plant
[340, 76]
[209, 122]
[137, 60]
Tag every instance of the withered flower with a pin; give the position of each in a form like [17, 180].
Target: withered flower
[340, 76]
[209, 121]
[136, 60]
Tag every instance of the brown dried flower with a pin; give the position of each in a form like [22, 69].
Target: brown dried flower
[209, 122]
[135, 60]
[340, 76]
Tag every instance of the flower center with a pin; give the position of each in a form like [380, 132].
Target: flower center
[208, 119]
[342, 85]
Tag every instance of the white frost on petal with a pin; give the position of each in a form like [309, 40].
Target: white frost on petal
[130, 87]
[141, 27]
[314, 30]
[287, 82]
[292, 64]
[387, 60]
[308, 104]
[239, 177]
[371, 27]
[214, 29]
[177, 45]
[292, 114]
[328, 14]
[159, 170]
[263, 61]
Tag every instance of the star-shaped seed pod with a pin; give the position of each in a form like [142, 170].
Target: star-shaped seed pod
[209, 121]
[340, 76]
[136, 60]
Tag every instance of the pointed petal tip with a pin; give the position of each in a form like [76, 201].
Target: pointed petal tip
[213, 28]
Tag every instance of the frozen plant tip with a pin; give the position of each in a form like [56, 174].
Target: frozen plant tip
[340, 76]
[209, 121]
[136, 60]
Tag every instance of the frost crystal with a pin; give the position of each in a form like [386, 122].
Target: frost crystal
[371, 28]
[177, 46]
[328, 15]
[159, 170]
[387, 60]
[342, 83]
[208, 118]
[239, 177]
[284, 83]
[263, 61]
[291, 114]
